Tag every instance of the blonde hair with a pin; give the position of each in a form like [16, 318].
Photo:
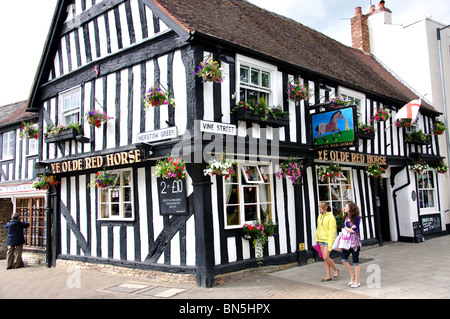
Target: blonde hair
[324, 205]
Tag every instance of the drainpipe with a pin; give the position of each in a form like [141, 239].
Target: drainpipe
[394, 195]
[48, 229]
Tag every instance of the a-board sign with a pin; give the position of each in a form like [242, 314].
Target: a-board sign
[418, 234]
[172, 196]
[335, 128]
[431, 223]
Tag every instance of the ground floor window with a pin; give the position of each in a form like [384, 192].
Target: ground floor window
[248, 195]
[336, 191]
[31, 211]
[116, 203]
[426, 189]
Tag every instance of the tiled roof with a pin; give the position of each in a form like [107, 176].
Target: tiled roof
[248, 26]
[15, 113]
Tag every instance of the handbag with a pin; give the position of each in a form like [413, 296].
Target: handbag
[345, 240]
[317, 247]
[336, 242]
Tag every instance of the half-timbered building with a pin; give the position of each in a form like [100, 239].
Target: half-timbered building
[104, 55]
[17, 173]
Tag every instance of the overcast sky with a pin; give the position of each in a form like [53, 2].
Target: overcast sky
[24, 27]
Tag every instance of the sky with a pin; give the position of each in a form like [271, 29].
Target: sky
[24, 26]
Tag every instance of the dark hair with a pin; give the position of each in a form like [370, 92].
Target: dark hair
[16, 216]
[353, 211]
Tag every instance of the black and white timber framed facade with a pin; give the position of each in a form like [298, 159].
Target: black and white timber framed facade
[109, 52]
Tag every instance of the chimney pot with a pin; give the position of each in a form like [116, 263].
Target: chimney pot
[358, 11]
[381, 4]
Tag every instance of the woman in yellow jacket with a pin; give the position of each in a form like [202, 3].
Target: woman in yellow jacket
[325, 236]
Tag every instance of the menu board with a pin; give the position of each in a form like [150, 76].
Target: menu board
[172, 196]
[431, 223]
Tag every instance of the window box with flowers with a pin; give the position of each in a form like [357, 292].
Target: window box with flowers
[418, 138]
[404, 123]
[157, 96]
[291, 168]
[339, 101]
[96, 118]
[259, 234]
[61, 133]
[298, 92]
[210, 71]
[331, 171]
[30, 130]
[260, 113]
[366, 131]
[45, 182]
[439, 128]
[170, 168]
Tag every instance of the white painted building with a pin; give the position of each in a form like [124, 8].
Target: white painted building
[411, 53]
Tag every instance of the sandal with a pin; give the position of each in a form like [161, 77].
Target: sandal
[355, 285]
[325, 279]
[336, 275]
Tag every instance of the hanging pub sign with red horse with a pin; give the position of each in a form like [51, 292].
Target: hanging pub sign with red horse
[335, 128]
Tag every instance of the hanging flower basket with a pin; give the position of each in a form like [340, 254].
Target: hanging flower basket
[96, 118]
[29, 130]
[439, 128]
[375, 171]
[292, 169]
[210, 71]
[331, 171]
[104, 179]
[441, 168]
[45, 182]
[259, 234]
[382, 115]
[420, 166]
[220, 167]
[298, 92]
[157, 96]
[170, 168]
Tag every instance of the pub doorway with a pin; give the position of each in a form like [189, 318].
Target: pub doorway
[384, 209]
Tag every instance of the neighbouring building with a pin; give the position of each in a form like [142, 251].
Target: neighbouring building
[17, 173]
[104, 56]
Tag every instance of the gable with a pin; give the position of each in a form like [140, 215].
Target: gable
[82, 34]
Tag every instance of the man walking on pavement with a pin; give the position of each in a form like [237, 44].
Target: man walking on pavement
[15, 241]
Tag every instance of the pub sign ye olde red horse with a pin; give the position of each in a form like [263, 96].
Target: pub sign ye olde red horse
[336, 128]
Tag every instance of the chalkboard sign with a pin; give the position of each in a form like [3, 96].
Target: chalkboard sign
[418, 234]
[172, 196]
[431, 223]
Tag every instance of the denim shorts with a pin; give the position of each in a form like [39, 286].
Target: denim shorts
[322, 243]
[355, 256]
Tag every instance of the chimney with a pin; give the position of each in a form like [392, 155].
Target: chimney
[360, 31]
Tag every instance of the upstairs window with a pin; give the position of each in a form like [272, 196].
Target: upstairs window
[255, 80]
[8, 145]
[70, 106]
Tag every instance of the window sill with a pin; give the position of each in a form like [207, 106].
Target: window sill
[242, 114]
[63, 136]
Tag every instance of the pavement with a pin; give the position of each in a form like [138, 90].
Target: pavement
[394, 271]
